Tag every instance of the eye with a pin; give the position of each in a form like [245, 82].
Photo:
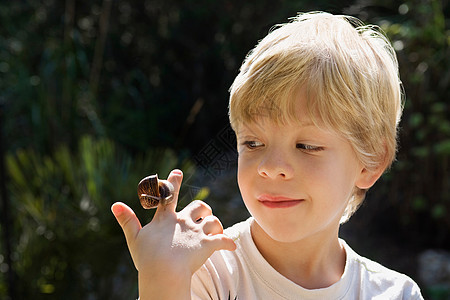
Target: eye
[252, 144]
[308, 148]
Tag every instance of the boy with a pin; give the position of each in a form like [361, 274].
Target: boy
[315, 109]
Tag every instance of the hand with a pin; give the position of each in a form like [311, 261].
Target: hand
[173, 245]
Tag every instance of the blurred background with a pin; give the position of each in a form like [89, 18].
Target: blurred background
[95, 95]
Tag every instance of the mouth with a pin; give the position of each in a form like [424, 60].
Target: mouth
[271, 201]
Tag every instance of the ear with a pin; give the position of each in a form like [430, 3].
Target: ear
[367, 177]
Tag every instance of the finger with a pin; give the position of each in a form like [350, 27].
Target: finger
[175, 178]
[197, 210]
[127, 219]
[211, 225]
[221, 242]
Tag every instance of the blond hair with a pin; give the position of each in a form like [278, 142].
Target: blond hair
[349, 73]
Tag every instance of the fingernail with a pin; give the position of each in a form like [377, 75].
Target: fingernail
[117, 210]
[177, 172]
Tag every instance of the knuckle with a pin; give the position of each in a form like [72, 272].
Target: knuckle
[202, 205]
[212, 220]
[211, 224]
[182, 219]
[196, 203]
[125, 222]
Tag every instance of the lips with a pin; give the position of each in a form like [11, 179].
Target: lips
[272, 201]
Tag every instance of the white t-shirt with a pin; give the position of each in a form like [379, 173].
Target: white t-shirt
[244, 274]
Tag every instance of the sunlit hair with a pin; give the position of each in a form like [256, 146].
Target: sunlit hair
[348, 73]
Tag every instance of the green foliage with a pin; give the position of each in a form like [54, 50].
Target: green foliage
[422, 176]
[68, 246]
[160, 58]
[439, 293]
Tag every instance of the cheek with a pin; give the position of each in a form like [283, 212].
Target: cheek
[246, 165]
[315, 171]
[246, 176]
[331, 178]
[242, 174]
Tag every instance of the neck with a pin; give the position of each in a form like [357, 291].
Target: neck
[313, 262]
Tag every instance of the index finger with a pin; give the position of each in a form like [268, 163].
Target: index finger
[175, 178]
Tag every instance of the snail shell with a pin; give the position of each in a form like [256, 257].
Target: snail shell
[151, 191]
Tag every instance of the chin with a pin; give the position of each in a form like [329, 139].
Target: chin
[281, 234]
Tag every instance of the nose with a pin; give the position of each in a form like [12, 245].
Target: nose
[275, 165]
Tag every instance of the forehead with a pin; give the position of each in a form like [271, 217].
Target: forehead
[284, 109]
[266, 126]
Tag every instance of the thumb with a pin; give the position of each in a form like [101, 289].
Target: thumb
[127, 219]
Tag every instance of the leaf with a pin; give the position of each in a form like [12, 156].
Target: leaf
[442, 148]
[438, 211]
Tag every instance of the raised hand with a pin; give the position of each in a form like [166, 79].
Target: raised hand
[169, 249]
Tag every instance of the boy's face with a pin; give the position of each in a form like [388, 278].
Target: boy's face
[295, 179]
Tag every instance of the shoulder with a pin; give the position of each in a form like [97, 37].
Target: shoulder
[379, 281]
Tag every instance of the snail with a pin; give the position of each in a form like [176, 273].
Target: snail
[152, 190]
